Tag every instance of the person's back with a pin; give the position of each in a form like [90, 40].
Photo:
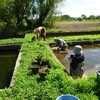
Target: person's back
[41, 32]
[61, 43]
[64, 43]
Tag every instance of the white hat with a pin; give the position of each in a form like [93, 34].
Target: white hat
[55, 39]
[77, 49]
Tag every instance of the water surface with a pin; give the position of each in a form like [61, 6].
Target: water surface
[92, 59]
[7, 63]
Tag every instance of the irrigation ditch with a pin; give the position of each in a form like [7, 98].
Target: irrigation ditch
[9, 55]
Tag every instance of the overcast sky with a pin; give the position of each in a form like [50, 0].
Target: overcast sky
[75, 8]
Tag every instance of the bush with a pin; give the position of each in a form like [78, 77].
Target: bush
[2, 26]
[8, 28]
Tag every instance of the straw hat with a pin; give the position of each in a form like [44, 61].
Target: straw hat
[77, 49]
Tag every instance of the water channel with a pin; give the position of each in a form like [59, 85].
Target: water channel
[92, 59]
[7, 64]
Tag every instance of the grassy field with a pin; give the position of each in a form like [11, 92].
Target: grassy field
[75, 26]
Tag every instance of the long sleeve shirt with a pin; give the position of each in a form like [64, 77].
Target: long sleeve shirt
[76, 59]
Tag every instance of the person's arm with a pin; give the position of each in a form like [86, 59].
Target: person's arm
[44, 30]
[37, 35]
[36, 32]
[70, 58]
[44, 33]
[54, 45]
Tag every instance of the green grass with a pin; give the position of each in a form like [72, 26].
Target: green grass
[77, 38]
[30, 87]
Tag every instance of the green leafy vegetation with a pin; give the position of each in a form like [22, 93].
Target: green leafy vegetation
[30, 87]
[77, 38]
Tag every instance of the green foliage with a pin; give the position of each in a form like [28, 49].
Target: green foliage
[9, 29]
[30, 87]
[46, 9]
[78, 38]
[87, 96]
[5, 11]
[19, 14]
[85, 86]
[82, 18]
[66, 18]
[7, 19]
[2, 26]
[12, 41]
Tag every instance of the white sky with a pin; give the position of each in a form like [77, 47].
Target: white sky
[75, 8]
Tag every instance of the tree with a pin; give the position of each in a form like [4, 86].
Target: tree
[6, 11]
[22, 11]
[91, 17]
[83, 16]
[98, 17]
[79, 19]
[45, 8]
[65, 17]
[7, 18]
[39, 9]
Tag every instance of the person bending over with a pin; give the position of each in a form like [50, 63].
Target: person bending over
[40, 32]
[62, 45]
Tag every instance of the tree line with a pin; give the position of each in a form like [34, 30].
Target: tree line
[83, 17]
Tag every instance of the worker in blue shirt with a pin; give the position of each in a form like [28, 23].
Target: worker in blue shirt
[62, 45]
